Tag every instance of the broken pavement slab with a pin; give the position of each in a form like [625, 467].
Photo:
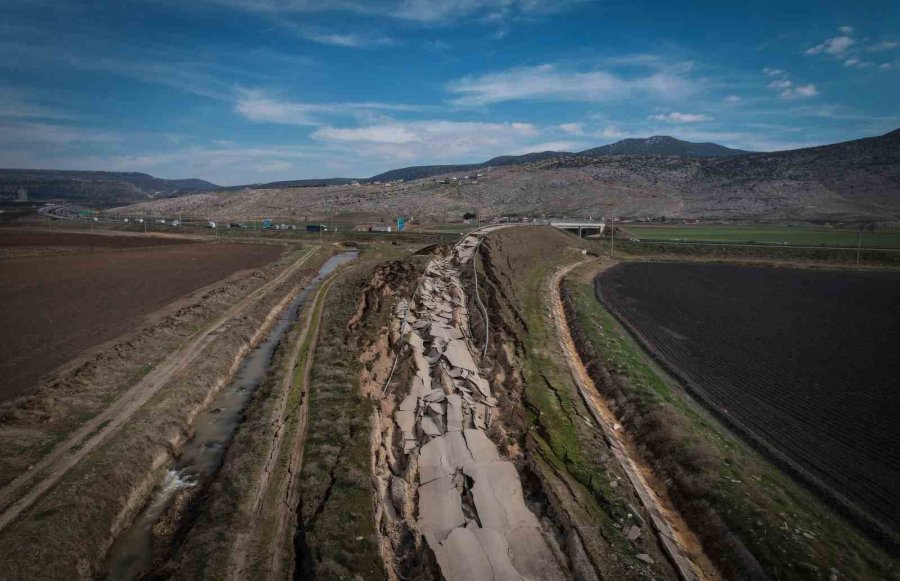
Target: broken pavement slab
[440, 507]
[458, 355]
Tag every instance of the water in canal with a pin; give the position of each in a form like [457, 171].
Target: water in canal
[131, 555]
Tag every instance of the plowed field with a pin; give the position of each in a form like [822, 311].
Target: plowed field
[805, 362]
[53, 307]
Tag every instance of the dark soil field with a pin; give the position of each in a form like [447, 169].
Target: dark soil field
[15, 242]
[804, 362]
[53, 307]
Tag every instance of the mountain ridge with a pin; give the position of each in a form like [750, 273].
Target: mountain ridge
[852, 180]
[102, 188]
[654, 145]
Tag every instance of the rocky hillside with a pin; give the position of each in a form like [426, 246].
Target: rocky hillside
[846, 181]
[95, 188]
[663, 145]
[656, 145]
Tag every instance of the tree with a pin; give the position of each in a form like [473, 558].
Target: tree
[470, 216]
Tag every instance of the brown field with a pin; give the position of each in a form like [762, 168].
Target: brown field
[803, 362]
[14, 242]
[68, 298]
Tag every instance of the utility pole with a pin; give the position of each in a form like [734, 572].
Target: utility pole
[612, 233]
[858, 246]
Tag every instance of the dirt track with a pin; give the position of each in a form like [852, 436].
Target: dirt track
[679, 541]
[22, 491]
[55, 307]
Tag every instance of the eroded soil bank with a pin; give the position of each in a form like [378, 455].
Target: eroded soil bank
[167, 516]
[67, 530]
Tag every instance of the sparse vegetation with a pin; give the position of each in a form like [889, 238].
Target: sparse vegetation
[336, 538]
[807, 235]
[566, 451]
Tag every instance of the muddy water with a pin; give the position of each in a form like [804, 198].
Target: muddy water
[131, 555]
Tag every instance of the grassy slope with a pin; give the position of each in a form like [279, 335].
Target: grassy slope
[566, 440]
[788, 531]
[819, 256]
[338, 537]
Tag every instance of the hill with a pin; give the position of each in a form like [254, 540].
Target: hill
[310, 183]
[656, 145]
[95, 188]
[846, 181]
[663, 145]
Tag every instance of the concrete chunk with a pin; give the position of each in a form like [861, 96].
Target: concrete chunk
[435, 395]
[481, 383]
[482, 448]
[454, 413]
[457, 353]
[531, 555]
[462, 558]
[495, 546]
[409, 403]
[440, 507]
[498, 496]
[406, 420]
[429, 427]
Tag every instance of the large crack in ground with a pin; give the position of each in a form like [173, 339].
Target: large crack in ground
[450, 490]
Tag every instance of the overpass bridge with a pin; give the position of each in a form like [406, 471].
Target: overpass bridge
[582, 228]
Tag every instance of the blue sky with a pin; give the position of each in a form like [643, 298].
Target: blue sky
[243, 91]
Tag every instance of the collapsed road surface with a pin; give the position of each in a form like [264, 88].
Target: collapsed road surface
[470, 504]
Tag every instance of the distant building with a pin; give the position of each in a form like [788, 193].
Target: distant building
[23, 195]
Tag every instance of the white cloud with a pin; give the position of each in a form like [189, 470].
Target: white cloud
[550, 146]
[787, 89]
[15, 133]
[886, 66]
[800, 91]
[549, 83]
[883, 46]
[848, 30]
[428, 12]
[14, 105]
[444, 11]
[733, 99]
[393, 134]
[676, 117]
[428, 140]
[613, 132]
[856, 63]
[255, 106]
[347, 39]
[833, 46]
[773, 72]
[572, 128]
